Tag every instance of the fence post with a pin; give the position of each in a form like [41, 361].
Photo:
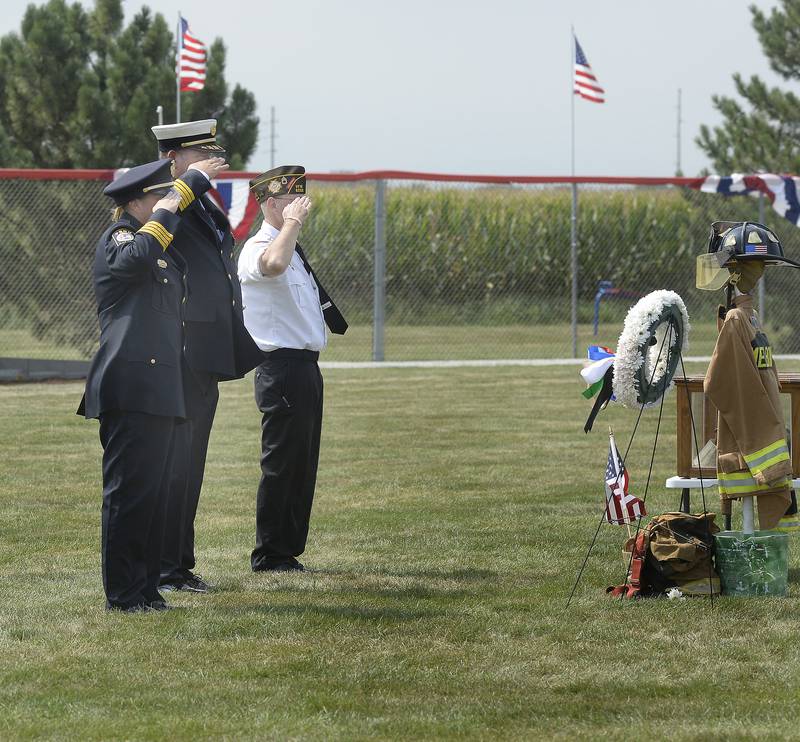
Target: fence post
[574, 263]
[762, 282]
[379, 274]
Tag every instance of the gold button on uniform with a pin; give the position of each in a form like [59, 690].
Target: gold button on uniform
[152, 361]
[166, 280]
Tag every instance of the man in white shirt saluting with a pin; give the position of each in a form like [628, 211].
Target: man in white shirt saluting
[286, 310]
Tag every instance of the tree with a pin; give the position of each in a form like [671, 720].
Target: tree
[79, 89]
[767, 136]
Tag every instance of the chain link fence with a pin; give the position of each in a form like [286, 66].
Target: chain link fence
[445, 269]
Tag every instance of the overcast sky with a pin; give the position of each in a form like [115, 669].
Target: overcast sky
[472, 86]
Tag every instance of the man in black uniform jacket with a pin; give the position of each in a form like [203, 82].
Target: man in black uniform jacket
[135, 382]
[218, 347]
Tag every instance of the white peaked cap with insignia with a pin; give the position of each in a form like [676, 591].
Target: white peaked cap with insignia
[189, 135]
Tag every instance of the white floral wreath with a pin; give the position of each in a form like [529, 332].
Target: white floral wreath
[655, 335]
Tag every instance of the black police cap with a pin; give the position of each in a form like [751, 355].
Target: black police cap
[154, 177]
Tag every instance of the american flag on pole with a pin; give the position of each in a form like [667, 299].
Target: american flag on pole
[586, 85]
[621, 507]
[191, 60]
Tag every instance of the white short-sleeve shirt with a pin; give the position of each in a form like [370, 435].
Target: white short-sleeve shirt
[279, 311]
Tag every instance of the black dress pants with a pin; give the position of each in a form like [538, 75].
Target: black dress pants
[136, 452]
[187, 467]
[288, 389]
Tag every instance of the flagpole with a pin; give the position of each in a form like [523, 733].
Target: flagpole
[572, 98]
[574, 215]
[178, 71]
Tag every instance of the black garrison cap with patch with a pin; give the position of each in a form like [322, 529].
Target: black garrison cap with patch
[286, 180]
[201, 135]
[154, 177]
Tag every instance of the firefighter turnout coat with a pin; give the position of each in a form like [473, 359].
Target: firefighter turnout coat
[742, 382]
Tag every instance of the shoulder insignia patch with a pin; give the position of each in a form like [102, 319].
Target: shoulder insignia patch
[121, 236]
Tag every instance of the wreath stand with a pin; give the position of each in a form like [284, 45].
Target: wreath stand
[642, 377]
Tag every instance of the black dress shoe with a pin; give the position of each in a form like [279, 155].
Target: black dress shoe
[191, 584]
[196, 584]
[160, 605]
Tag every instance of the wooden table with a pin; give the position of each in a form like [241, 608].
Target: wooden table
[686, 388]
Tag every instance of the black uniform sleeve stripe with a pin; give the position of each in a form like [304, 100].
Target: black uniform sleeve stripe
[186, 193]
[156, 230]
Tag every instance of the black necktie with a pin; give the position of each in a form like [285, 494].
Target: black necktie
[206, 216]
[333, 317]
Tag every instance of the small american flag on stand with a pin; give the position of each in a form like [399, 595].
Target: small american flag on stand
[191, 60]
[586, 85]
[621, 507]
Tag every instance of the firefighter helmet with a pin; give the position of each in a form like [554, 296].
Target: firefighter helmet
[732, 242]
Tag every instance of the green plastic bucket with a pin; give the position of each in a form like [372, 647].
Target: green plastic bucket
[752, 564]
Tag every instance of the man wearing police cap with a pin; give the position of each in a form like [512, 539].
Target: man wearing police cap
[218, 347]
[286, 310]
[135, 383]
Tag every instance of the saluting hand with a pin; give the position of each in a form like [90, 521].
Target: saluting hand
[170, 202]
[297, 210]
[212, 167]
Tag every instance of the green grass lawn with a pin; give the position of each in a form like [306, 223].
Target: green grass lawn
[423, 342]
[454, 507]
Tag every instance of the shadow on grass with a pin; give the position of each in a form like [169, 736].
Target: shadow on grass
[360, 591]
[356, 612]
[356, 596]
[470, 575]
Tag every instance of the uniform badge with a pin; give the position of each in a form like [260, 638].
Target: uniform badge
[161, 263]
[121, 236]
[274, 186]
[213, 130]
[283, 180]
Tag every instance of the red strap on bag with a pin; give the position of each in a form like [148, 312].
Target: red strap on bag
[633, 588]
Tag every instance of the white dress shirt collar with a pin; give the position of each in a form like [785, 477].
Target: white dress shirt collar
[267, 230]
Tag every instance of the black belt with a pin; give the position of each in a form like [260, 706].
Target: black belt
[294, 354]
